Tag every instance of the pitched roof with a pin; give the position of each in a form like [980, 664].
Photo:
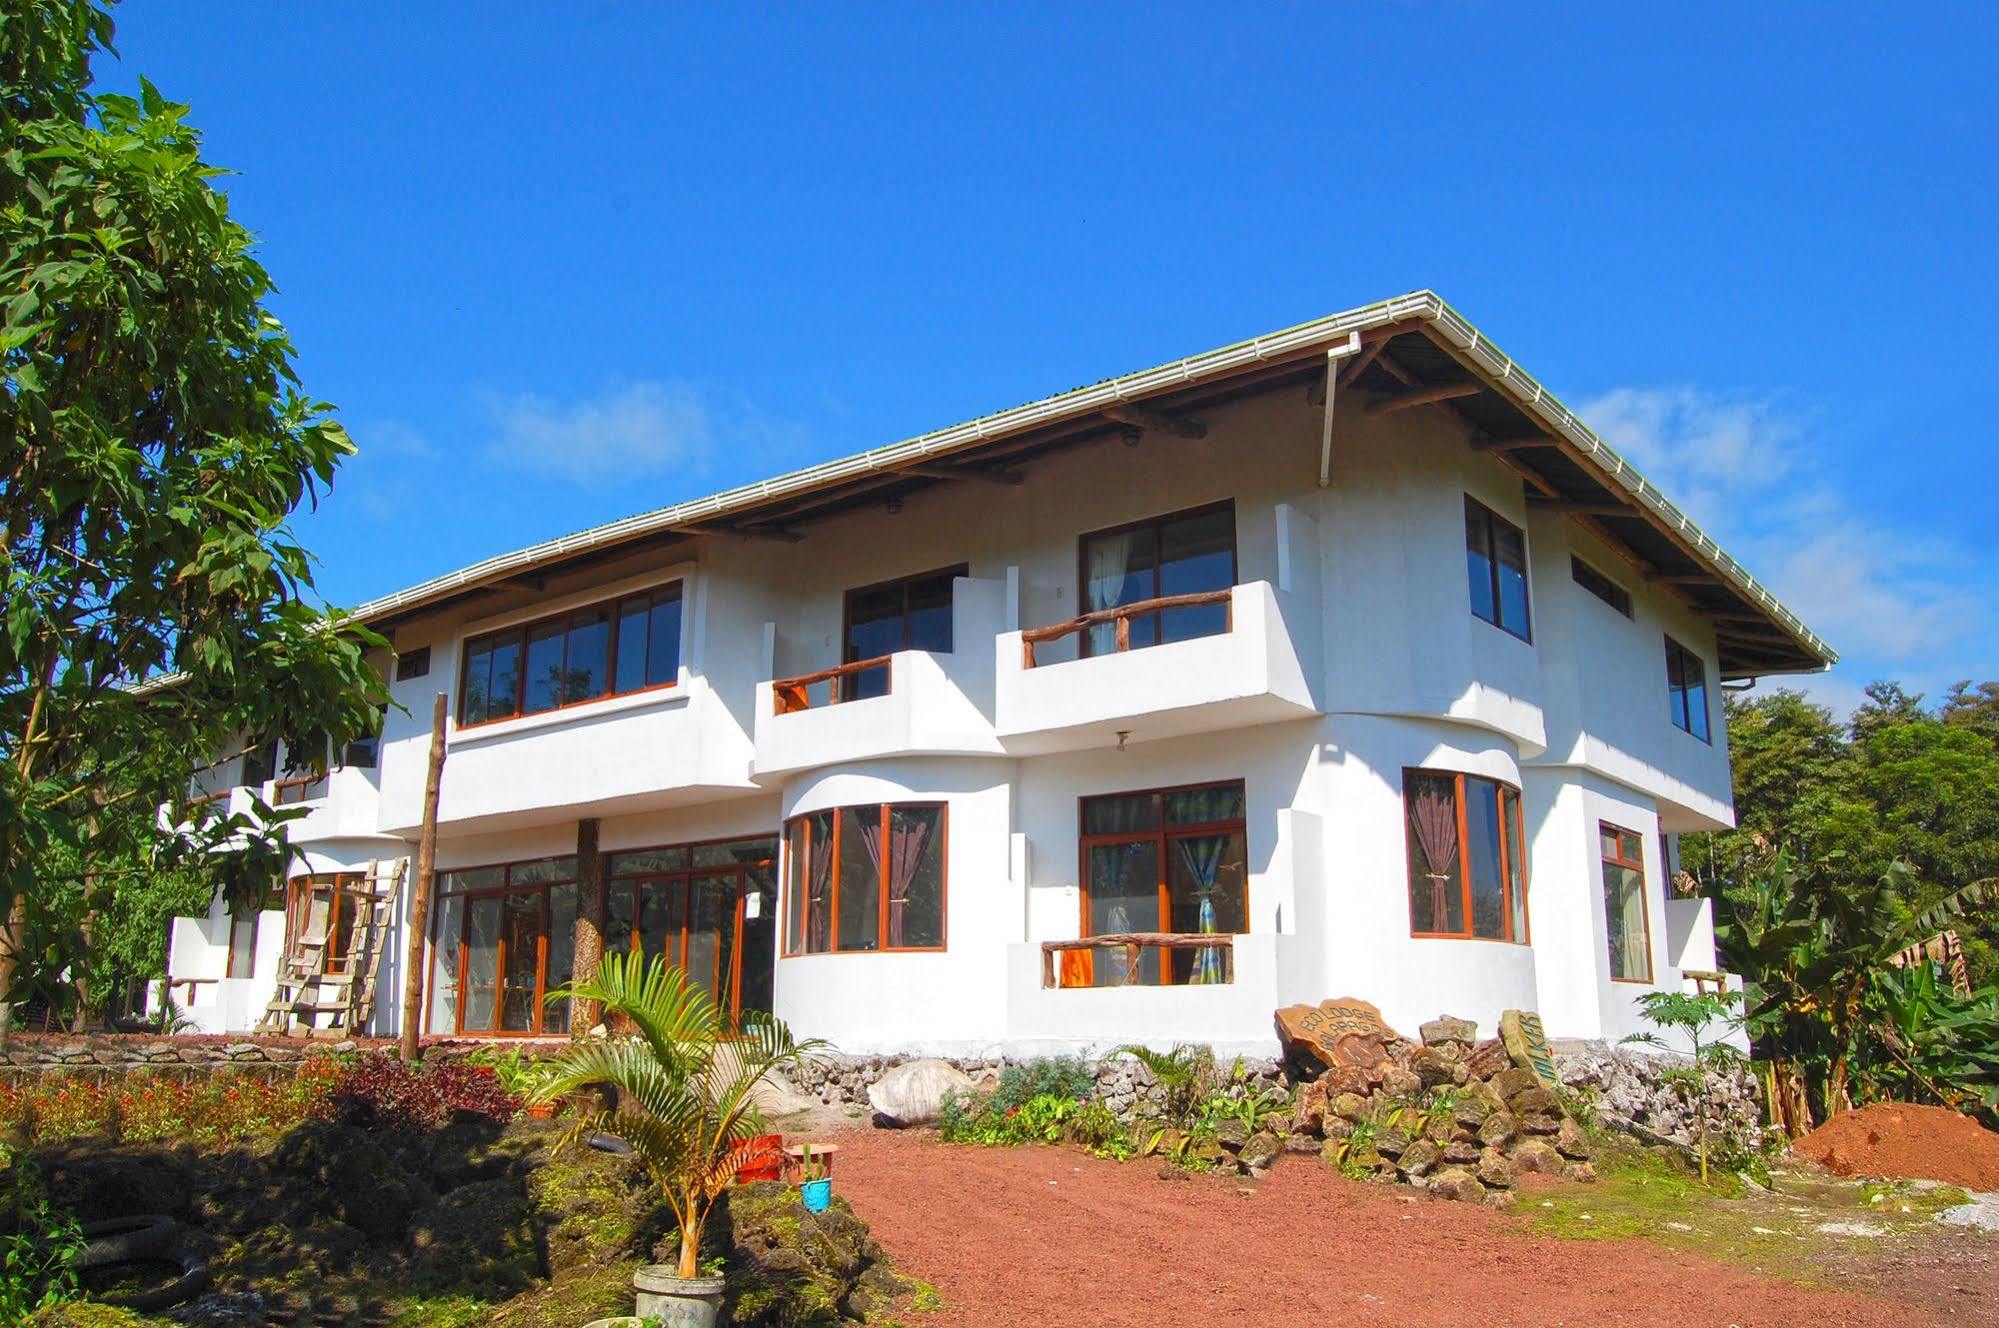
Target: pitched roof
[1411, 345]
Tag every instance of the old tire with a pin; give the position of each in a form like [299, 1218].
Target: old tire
[126, 1239]
[193, 1278]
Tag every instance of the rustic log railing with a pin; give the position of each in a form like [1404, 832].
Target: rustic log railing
[1073, 963]
[789, 695]
[1121, 614]
[298, 788]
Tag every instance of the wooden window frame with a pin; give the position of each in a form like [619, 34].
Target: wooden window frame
[1158, 525]
[1680, 710]
[1610, 593]
[799, 898]
[413, 664]
[229, 966]
[520, 632]
[1508, 832]
[847, 655]
[683, 878]
[500, 891]
[1636, 864]
[1493, 520]
[1162, 835]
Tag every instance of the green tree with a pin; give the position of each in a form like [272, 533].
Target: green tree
[153, 445]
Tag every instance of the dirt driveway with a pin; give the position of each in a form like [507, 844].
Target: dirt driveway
[1050, 1236]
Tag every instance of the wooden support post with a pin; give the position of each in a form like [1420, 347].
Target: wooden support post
[416, 953]
[591, 910]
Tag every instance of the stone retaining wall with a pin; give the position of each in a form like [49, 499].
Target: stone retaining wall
[1634, 1085]
[1124, 1084]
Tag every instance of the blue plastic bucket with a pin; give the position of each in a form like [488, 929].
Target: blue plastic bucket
[816, 1195]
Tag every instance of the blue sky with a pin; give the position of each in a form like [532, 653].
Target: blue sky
[558, 264]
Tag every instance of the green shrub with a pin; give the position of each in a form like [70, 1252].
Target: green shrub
[39, 1244]
[1046, 1076]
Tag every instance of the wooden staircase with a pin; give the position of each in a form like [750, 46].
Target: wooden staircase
[326, 983]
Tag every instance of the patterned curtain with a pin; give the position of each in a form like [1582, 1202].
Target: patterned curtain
[819, 918]
[1203, 857]
[908, 834]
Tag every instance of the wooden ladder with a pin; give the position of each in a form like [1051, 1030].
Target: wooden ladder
[342, 989]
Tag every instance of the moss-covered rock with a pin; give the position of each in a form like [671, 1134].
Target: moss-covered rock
[790, 1268]
[478, 1238]
[593, 1208]
[84, 1314]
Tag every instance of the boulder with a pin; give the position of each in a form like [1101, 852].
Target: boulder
[1510, 1081]
[1498, 1129]
[1471, 1111]
[1583, 1173]
[1494, 1170]
[1390, 1141]
[1260, 1151]
[1232, 1135]
[1446, 1029]
[776, 1097]
[1538, 1157]
[1419, 1157]
[1432, 1068]
[1459, 1153]
[1540, 1124]
[1535, 1101]
[792, 1266]
[1301, 1143]
[1400, 1081]
[1348, 1106]
[913, 1092]
[1457, 1183]
[1571, 1142]
[1487, 1059]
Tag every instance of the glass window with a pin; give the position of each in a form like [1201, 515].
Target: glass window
[1183, 554]
[1496, 561]
[511, 932]
[1686, 689]
[1626, 922]
[867, 878]
[242, 944]
[913, 613]
[1467, 857]
[602, 650]
[1596, 583]
[1172, 860]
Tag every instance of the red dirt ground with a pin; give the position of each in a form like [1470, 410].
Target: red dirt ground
[1895, 1139]
[1049, 1236]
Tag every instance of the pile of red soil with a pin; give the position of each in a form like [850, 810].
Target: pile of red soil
[1904, 1142]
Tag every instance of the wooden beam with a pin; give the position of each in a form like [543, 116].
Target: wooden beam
[1359, 364]
[936, 471]
[1697, 579]
[1154, 422]
[1485, 444]
[743, 532]
[1423, 396]
[1578, 507]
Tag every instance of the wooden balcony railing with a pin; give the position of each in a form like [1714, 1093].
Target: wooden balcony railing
[298, 788]
[1077, 964]
[789, 695]
[1122, 615]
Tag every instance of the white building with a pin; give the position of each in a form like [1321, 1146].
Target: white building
[1435, 682]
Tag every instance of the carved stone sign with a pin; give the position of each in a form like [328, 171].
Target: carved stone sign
[1527, 1044]
[1340, 1034]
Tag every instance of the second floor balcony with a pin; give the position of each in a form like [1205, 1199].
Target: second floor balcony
[1158, 668]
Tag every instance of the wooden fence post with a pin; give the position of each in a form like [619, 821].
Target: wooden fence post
[417, 950]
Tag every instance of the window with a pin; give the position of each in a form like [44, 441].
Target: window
[504, 937]
[242, 944]
[260, 764]
[1167, 860]
[1596, 583]
[1686, 689]
[362, 753]
[414, 664]
[1467, 869]
[1496, 557]
[1182, 554]
[608, 649]
[910, 614]
[711, 909]
[1626, 923]
[866, 878]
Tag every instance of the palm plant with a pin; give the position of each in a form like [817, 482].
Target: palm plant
[1186, 1075]
[685, 1083]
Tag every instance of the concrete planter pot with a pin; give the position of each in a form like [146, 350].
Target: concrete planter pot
[678, 1302]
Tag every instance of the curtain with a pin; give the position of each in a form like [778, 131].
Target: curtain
[1109, 556]
[1434, 814]
[819, 919]
[1203, 857]
[908, 834]
[1634, 962]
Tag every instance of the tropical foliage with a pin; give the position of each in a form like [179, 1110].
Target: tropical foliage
[685, 1084]
[1702, 1021]
[153, 445]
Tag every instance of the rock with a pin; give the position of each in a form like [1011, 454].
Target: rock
[1510, 1081]
[1357, 1079]
[1498, 1130]
[1348, 1106]
[1527, 1044]
[1337, 1033]
[1540, 1124]
[1459, 1153]
[1487, 1059]
[1433, 1070]
[1390, 1141]
[776, 1097]
[1260, 1151]
[1570, 1141]
[1232, 1135]
[1581, 1172]
[1458, 1184]
[1300, 1143]
[1494, 1170]
[1471, 1112]
[790, 1266]
[1337, 1129]
[1536, 1101]
[913, 1092]
[1538, 1157]
[1419, 1157]
[1501, 1198]
[590, 1207]
[1400, 1081]
[1448, 1029]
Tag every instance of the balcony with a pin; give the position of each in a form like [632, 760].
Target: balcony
[926, 703]
[1247, 673]
[1139, 959]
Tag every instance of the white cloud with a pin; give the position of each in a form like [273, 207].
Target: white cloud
[1891, 600]
[639, 428]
